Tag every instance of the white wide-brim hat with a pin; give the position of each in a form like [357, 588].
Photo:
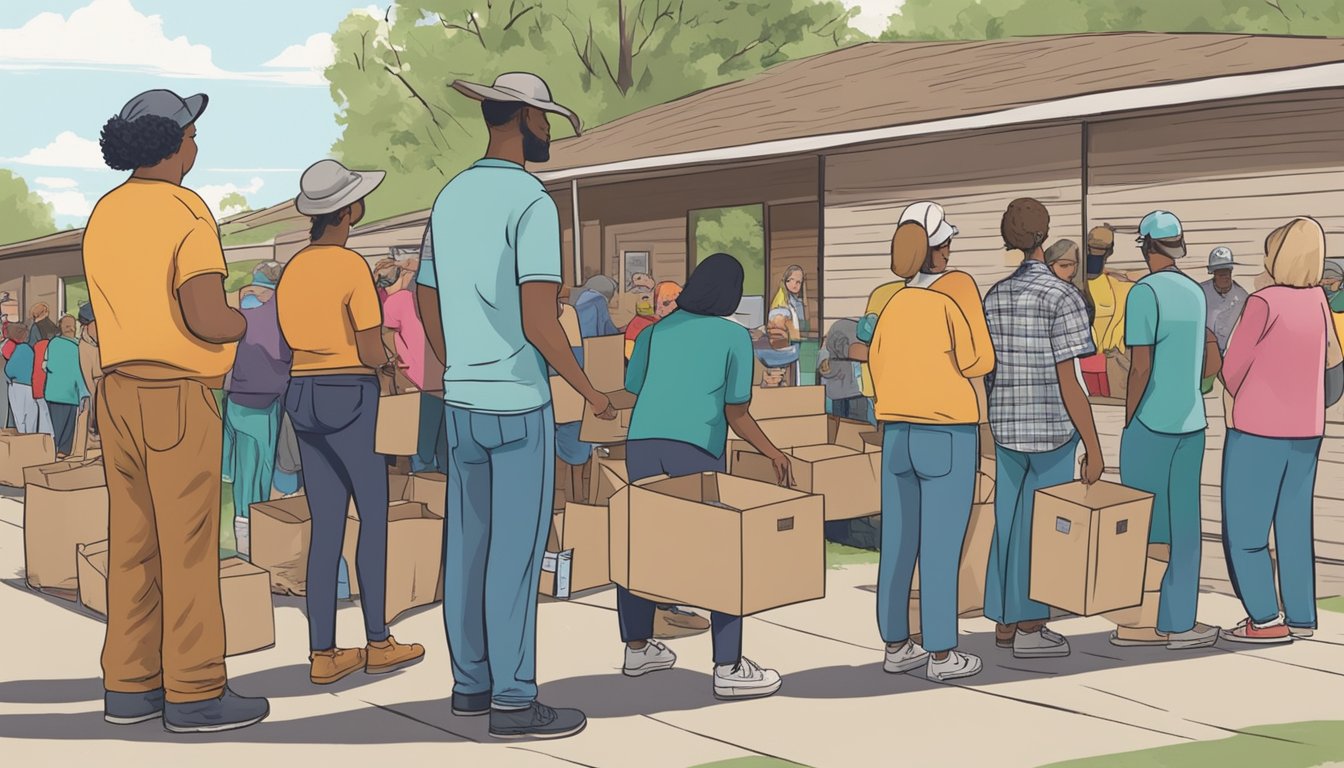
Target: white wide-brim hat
[327, 187]
[519, 87]
[933, 219]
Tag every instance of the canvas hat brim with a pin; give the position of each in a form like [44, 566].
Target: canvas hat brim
[491, 93]
[362, 186]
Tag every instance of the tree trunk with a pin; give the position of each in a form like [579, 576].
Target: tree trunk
[625, 74]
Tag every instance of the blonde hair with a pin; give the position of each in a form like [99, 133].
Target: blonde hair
[909, 249]
[1295, 253]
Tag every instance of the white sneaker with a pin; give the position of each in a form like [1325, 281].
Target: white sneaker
[956, 665]
[746, 680]
[1041, 644]
[242, 533]
[654, 656]
[906, 657]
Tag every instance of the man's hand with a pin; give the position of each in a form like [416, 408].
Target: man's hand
[601, 405]
[1089, 470]
[783, 467]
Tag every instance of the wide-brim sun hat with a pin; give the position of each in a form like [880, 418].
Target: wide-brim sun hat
[932, 218]
[519, 87]
[327, 187]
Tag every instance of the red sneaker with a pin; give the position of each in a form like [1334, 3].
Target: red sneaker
[1273, 633]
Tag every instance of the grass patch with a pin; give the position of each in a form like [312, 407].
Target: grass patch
[1335, 604]
[1293, 745]
[240, 274]
[840, 556]
[753, 762]
[260, 234]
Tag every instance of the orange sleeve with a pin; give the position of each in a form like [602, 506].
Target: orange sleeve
[198, 253]
[365, 312]
[978, 359]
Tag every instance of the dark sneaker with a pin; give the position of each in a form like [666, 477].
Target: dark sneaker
[471, 705]
[537, 721]
[226, 713]
[132, 708]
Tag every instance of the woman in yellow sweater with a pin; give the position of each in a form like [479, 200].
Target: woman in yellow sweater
[930, 341]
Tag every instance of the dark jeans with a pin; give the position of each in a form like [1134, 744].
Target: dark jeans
[432, 455]
[646, 458]
[334, 419]
[63, 425]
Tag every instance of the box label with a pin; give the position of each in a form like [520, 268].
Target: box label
[1063, 525]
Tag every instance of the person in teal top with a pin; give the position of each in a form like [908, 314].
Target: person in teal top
[692, 375]
[66, 392]
[1162, 447]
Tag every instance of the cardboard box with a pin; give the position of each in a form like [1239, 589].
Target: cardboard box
[718, 542]
[414, 557]
[244, 590]
[581, 531]
[852, 434]
[608, 476]
[973, 568]
[58, 519]
[604, 363]
[986, 442]
[791, 431]
[280, 532]
[1088, 547]
[427, 488]
[19, 452]
[786, 402]
[849, 480]
[569, 405]
[1145, 615]
[984, 488]
[398, 429]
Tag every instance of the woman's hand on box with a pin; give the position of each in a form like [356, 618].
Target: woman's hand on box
[783, 468]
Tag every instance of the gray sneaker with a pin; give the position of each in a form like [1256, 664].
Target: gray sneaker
[1303, 632]
[132, 708]
[471, 705]
[1041, 644]
[1201, 636]
[226, 713]
[537, 721]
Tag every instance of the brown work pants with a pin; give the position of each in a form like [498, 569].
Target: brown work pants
[162, 442]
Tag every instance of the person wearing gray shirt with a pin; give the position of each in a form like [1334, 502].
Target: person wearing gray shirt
[1225, 297]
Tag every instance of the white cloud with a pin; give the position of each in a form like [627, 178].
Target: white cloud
[52, 182]
[317, 52]
[874, 15]
[113, 35]
[213, 193]
[70, 202]
[67, 150]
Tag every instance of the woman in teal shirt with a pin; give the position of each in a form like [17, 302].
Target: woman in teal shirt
[692, 373]
[66, 392]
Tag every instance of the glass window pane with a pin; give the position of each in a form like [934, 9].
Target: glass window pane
[739, 232]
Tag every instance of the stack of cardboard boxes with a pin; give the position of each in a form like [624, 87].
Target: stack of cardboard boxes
[65, 505]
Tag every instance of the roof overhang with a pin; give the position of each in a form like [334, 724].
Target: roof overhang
[1070, 108]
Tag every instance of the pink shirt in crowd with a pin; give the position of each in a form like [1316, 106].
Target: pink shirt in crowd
[1274, 366]
[399, 316]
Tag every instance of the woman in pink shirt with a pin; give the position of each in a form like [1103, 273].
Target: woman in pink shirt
[1282, 369]
[416, 361]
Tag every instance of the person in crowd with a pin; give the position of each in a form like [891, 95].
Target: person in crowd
[19, 371]
[40, 326]
[417, 364]
[1108, 292]
[162, 351]
[935, 325]
[1332, 280]
[572, 454]
[1038, 411]
[1063, 259]
[67, 395]
[641, 284]
[793, 297]
[776, 350]
[1283, 369]
[252, 403]
[863, 334]
[839, 373]
[593, 303]
[328, 311]
[680, 427]
[493, 297]
[1225, 298]
[89, 364]
[1162, 446]
[44, 425]
[664, 302]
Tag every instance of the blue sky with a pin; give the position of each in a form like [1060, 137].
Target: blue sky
[65, 73]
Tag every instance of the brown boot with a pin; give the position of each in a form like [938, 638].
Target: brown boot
[389, 656]
[1003, 635]
[330, 666]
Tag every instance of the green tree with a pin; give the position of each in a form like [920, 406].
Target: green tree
[738, 232]
[23, 213]
[603, 58]
[234, 202]
[990, 19]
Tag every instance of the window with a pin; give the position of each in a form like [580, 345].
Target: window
[75, 294]
[737, 231]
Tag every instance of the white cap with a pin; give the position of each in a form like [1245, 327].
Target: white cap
[933, 218]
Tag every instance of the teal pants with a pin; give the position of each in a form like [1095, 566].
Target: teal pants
[1169, 466]
[252, 434]
[1019, 477]
[1269, 482]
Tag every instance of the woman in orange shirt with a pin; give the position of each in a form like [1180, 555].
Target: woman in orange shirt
[664, 302]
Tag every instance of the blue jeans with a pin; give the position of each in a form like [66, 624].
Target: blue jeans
[1019, 476]
[928, 484]
[569, 447]
[335, 418]
[1168, 466]
[501, 484]
[1269, 482]
[432, 453]
[647, 458]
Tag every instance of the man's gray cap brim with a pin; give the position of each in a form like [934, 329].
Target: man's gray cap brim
[165, 103]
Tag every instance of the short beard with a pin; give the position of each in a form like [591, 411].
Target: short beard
[535, 148]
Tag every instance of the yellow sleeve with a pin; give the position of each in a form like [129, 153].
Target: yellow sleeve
[961, 288]
[199, 253]
[365, 311]
[1115, 337]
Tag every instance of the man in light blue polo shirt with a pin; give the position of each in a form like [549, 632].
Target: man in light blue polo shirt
[1162, 448]
[488, 299]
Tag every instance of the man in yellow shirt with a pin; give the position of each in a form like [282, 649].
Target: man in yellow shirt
[166, 335]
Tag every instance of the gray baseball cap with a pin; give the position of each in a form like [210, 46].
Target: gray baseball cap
[164, 103]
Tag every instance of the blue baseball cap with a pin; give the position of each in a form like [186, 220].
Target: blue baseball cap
[1164, 229]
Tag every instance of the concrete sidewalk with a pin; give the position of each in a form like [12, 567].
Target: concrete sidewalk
[837, 707]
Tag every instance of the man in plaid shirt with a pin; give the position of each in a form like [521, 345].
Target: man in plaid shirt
[1037, 411]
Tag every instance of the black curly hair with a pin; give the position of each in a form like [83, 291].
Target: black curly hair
[139, 143]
